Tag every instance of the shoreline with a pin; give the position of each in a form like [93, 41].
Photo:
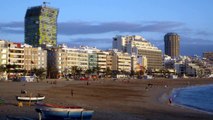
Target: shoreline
[114, 100]
[177, 90]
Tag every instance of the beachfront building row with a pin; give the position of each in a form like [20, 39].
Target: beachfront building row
[139, 46]
[65, 60]
[189, 66]
[21, 57]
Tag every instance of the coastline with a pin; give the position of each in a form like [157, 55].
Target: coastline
[114, 100]
[176, 91]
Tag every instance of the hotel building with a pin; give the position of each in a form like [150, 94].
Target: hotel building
[137, 45]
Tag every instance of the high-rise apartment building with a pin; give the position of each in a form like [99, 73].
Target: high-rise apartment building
[137, 45]
[41, 26]
[172, 44]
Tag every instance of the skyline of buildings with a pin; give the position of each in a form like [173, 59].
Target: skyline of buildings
[97, 28]
[128, 54]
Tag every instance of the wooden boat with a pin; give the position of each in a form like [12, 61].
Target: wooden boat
[50, 111]
[30, 98]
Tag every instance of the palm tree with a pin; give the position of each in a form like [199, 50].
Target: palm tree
[89, 71]
[75, 71]
[108, 71]
[40, 73]
[97, 70]
[13, 68]
[52, 72]
[3, 69]
[79, 71]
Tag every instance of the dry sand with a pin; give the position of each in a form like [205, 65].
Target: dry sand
[111, 100]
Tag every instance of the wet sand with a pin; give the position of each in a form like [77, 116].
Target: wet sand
[111, 100]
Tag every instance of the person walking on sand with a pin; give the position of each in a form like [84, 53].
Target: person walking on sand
[88, 83]
[71, 92]
[170, 100]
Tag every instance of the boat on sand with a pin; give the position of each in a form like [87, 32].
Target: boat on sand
[56, 112]
[30, 98]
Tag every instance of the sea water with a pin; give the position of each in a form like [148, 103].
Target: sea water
[196, 97]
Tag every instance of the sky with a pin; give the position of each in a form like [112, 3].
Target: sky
[95, 22]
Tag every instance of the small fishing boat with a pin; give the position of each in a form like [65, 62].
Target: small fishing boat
[50, 111]
[30, 98]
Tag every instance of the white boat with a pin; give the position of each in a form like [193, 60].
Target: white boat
[30, 98]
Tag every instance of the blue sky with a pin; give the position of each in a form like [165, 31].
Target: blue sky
[96, 22]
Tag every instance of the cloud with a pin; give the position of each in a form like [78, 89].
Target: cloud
[195, 40]
[192, 41]
[102, 43]
[83, 27]
[12, 27]
[77, 28]
[204, 33]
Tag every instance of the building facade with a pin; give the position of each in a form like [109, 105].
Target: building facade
[102, 61]
[61, 60]
[137, 45]
[121, 62]
[41, 26]
[3, 52]
[172, 44]
[19, 58]
[92, 60]
[34, 58]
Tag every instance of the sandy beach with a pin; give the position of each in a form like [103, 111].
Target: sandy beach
[111, 100]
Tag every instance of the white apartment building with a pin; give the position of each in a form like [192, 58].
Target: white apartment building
[63, 58]
[102, 60]
[18, 57]
[121, 61]
[137, 45]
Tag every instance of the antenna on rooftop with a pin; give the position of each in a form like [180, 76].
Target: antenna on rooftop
[45, 3]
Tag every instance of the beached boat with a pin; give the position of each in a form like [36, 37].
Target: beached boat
[50, 111]
[30, 98]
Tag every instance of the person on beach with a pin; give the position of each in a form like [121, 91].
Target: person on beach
[23, 92]
[88, 83]
[146, 88]
[71, 92]
[170, 100]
